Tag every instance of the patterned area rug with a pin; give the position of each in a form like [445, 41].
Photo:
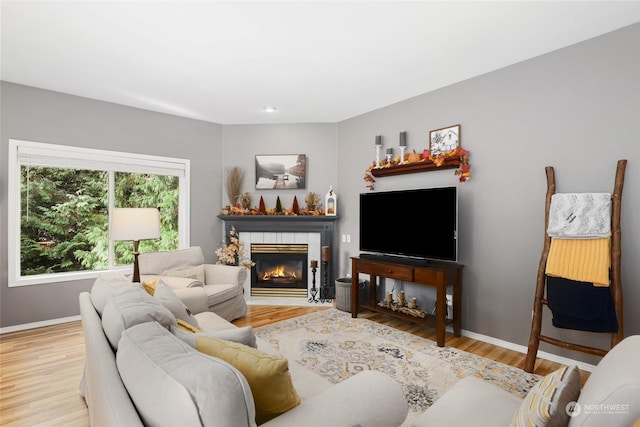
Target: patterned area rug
[336, 346]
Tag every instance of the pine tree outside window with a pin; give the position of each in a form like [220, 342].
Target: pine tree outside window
[59, 203]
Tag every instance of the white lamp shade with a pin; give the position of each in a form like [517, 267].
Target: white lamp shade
[135, 224]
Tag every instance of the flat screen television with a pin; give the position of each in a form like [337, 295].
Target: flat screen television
[419, 224]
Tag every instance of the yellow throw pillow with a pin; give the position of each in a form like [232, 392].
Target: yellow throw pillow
[267, 375]
[150, 286]
[187, 327]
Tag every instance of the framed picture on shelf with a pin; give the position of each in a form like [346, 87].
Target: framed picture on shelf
[444, 140]
[281, 171]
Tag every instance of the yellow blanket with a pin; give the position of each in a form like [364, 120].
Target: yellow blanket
[584, 260]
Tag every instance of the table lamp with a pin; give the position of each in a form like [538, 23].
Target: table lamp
[135, 224]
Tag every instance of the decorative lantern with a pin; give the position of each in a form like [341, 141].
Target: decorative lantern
[330, 202]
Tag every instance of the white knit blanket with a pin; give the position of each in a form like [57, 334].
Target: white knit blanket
[580, 215]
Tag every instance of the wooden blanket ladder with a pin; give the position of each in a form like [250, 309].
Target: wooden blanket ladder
[616, 284]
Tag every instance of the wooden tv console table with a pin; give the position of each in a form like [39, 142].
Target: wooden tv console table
[439, 275]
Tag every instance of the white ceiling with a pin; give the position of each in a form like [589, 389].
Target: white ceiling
[322, 61]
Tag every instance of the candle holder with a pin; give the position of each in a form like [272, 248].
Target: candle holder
[389, 298]
[403, 146]
[314, 290]
[324, 289]
[401, 300]
[378, 148]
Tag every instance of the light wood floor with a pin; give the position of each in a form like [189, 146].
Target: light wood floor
[41, 368]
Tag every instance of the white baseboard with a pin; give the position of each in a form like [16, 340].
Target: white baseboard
[34, 325]
[523, 349]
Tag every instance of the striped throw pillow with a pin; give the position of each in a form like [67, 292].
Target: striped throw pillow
[545, 404]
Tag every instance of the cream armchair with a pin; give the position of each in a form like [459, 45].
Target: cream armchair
[202, 287]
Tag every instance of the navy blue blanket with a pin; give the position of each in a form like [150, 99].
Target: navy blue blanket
[581, 306]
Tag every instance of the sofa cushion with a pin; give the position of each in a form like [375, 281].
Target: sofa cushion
[611, 395]
[171, 384]
[128, 306]
[102, 287]
[210, 321]
[471, 401]
[268, 375]
[242, 335]
[165, 295]
[546, 402]
[190, 271]
[367, 399]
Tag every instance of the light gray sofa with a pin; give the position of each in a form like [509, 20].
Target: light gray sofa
[203, 287]
[155, 378]
[610, 397]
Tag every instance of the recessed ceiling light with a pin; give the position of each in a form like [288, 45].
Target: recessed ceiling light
[269, 109]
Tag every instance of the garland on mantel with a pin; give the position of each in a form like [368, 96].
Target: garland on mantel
[312, 200]
[464, 171]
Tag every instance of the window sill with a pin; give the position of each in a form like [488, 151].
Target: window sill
[44, 279]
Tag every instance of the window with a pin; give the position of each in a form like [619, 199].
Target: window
[59, 203]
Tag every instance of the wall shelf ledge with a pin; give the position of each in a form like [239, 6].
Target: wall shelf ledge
[423, 166]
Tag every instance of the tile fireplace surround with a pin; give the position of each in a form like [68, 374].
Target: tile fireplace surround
[315, 231]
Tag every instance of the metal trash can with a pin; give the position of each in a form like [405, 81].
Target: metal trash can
[343, 293]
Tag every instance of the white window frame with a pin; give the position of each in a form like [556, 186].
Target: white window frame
[44, 154]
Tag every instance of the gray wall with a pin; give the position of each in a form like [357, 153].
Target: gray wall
[317, 140]
[576, 109]
[44, 116]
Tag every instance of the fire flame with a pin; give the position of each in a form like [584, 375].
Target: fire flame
[279, 271]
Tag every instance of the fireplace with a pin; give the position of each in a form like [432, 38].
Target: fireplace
[279, 270]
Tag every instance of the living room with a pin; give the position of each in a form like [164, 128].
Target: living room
[575, 108]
